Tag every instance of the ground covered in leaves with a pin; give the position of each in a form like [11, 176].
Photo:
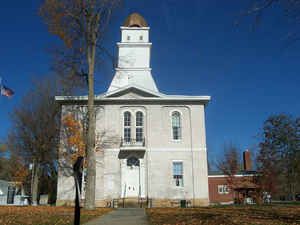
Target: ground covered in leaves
[233, 215]
[42, 215]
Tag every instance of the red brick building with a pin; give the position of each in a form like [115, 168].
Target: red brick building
[221, 193]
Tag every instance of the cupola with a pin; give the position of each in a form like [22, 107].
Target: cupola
[135, 20]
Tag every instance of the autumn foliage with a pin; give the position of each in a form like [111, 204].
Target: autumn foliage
[74, 136]
[19, 171]
[278, 158]
[233, 215]
[53, 13]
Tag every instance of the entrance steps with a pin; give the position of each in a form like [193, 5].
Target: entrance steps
[130, 203]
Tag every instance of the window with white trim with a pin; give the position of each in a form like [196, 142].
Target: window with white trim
[176, 125]
[139, 127]
[127, 126]
[178, 174]
[223, 189]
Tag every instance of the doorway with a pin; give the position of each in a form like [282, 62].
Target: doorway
[133, 184]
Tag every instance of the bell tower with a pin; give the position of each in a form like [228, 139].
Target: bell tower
[134, 56]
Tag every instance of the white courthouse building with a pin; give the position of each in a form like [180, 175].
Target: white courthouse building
[161, 155]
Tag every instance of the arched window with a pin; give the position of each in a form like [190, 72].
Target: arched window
[133, 161]
[127, 126]
[139, 127]
[176, 125]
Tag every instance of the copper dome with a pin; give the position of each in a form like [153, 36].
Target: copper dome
[135, 20]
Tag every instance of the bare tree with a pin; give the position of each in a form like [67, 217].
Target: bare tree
[34, 133]
[290, 9]
[260, 5]
[230, 164]
[81, 25]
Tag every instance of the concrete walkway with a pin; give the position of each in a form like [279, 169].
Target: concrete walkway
[127, 216]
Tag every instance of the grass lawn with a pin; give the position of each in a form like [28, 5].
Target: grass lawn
[42, 215]
[233, 215]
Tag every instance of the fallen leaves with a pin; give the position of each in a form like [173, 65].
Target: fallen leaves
[45, 215]
[233, 215]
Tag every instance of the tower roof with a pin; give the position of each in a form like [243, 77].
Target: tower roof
[135, 20]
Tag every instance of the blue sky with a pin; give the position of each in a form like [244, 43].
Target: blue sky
[196, 50]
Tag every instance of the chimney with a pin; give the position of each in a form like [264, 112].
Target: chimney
[247, 160]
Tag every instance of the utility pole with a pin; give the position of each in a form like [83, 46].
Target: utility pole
[77, 168]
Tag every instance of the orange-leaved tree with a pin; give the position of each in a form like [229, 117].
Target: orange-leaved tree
[75, 139]
[20, 172]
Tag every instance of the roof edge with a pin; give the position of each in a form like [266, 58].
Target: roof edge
[204, 99]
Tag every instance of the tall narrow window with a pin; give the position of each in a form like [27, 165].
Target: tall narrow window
[178, 174]
[141, 38]
[176, 126]
[127, 125]
[139, 124]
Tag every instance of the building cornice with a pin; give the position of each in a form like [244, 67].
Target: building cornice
[133, 69]
[153, 100]
[134, 28]
[134, 44]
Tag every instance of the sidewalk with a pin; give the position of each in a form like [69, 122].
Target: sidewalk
[127, 216]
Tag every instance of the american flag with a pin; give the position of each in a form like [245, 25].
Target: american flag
[5, 91]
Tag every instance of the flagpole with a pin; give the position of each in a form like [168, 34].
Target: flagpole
[0, 86]
[31, 185]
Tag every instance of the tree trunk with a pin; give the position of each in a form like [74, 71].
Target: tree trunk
[293, 191]
[91, 159]
[35, 184]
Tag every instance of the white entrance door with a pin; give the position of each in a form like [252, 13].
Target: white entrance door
[133, 181]
[132, 178]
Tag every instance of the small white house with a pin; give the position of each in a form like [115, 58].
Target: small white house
[161, 155]
[12, 195]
